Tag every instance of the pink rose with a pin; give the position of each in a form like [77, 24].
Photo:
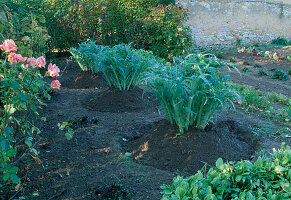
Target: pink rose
[53, 70]
[14, 58]
[8, 46]
[40, 61]
[56, 84]
[31, 62]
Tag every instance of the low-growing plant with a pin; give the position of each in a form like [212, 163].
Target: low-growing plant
[190, 92]
[246, 63]
[245, 69]
[257, 66]
[262, 73]
[280, 41]
[267, 178]
[278, 74]
[285, 113]
[253, 99]
[280, 98]
[232, 59]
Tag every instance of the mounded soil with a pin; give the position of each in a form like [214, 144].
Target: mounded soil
[115, 100]
[163, 149]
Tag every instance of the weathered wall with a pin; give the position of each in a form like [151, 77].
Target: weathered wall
[217, 23]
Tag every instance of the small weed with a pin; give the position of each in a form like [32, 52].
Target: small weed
[232, 59]
[246, 63]
[257, 66]
[245, 69]
[262, 73]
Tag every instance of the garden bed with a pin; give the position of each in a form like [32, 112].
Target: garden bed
[128, 153]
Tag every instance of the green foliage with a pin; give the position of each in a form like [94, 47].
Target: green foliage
[262, 73]
[88, 55]
[122, 66]
[232, 59]
[257, 66]
[155, 25]
[21, 25]
[280, 98]
[191, 91]
[245, 69]
[246, 63]
[20, 92]
[278, 74]
[285, 113]
[267, 178]
[280, 41]
[253, 99]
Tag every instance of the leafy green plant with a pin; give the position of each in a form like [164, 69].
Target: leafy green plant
[67, 127]
[245, 69]
[278, 74]
[267, 178]
[232, 59]
[280, 98]
[253, 99]
[246, 63]
[262, 73]
[190, 91]
[89, 55]
[285, 113]
[123, 67]
[280, 41]
[257, 66]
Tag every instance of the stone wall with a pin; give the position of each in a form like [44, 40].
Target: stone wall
[217, 23]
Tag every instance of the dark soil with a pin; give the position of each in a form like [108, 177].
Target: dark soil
[189, 152]
[115, 100]
[94, 164]
[252, 78]
[86, 80]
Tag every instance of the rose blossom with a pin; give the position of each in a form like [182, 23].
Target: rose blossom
[40, 61]
[31, 62]
[8, 46]
[14, 58]
[53, 70]
[56, 84]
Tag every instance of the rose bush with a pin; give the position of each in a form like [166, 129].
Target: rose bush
[22, 87]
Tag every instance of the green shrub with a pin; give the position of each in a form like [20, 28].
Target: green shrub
[267, 178]
[278, 74]
[155, 25]
[26, 28]
[191, 91]
[280, 41]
